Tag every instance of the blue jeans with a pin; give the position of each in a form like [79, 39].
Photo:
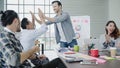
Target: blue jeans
[71, 44]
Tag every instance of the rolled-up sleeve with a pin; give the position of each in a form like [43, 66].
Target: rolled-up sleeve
[64, 16]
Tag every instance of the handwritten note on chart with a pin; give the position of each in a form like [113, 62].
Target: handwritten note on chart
[81, 25]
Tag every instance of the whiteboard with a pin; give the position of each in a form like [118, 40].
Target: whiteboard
[81, 26]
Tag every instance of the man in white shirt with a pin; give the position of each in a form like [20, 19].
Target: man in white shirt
[28, 34]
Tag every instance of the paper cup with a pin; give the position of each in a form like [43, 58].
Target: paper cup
[113, 51]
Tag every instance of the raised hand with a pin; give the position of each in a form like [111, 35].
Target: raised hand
[107, 38]
[33, 18]
[41, 14]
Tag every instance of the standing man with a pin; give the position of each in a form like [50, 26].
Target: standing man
[63, 27]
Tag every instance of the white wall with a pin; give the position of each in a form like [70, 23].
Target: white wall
[114, 11]
[96, 9]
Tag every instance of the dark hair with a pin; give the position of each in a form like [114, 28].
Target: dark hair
[7, 17]
[115, 33]
[1, 12]
[58, 2]
[24, 23]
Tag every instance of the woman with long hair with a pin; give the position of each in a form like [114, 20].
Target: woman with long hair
[112, 33]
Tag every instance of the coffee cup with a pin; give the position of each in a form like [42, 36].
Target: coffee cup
[76, 48]
[113, 51]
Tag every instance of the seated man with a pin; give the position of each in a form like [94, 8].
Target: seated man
[29, 34]
[27, 38]
[11, 55]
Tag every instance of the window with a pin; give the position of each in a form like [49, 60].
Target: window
[22, 7]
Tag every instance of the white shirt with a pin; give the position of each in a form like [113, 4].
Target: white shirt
[27, 37]
[62, 35]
